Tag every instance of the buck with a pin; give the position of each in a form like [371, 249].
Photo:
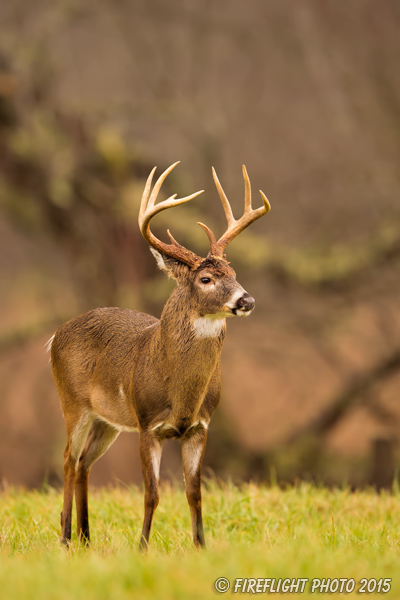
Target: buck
[121, 370]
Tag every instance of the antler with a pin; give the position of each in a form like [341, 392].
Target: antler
[235, 226]
[148, 209]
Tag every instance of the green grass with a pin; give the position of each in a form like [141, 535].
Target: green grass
[251, 531]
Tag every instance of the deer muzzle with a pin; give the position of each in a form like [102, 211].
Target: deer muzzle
[244, 305]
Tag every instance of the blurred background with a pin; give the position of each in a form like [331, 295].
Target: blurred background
[307, 95]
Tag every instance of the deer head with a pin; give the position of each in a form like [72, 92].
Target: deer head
[213, 291]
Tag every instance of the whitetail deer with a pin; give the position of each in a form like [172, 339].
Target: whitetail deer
[121, 370]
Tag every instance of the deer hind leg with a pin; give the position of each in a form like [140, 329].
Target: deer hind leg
[77, 431]
[150, 449]
[193, 446]
[100, 438]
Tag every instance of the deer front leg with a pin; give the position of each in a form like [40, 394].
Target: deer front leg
[193, 446]
[150, 457]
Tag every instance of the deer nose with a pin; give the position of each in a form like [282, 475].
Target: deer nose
[246, 302]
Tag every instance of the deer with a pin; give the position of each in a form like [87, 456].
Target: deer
[118, 370]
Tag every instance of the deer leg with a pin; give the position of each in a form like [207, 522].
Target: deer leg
[193, 446]
[76, 435]
[150, 455]
[69, 478]
[100, 438]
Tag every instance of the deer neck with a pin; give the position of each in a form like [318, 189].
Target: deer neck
[189, 359]
[183, 327]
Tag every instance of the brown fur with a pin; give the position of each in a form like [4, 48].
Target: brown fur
[120, 369]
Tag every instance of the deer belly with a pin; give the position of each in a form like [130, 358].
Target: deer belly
[114, 408]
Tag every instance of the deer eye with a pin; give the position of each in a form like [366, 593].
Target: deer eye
[205, 280]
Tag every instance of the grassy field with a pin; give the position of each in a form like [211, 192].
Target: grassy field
[251, 532]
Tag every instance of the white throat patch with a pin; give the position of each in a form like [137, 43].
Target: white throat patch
[208, 327]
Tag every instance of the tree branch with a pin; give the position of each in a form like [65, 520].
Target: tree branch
[340, 405]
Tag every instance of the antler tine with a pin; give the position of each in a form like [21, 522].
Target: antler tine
[263, 210]
[236, 226]
[247, 190]
[225, 202]
[265, 200]
[148, 209]
[211, 237]
[158, 185]
[145, 195]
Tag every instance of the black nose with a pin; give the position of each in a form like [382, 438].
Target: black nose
[246, 302]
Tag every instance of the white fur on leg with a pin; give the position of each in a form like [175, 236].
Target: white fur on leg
[191, 456]
[155, 453]
[193, 460]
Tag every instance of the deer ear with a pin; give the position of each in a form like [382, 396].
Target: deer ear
[171, 267]
[159, 259]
